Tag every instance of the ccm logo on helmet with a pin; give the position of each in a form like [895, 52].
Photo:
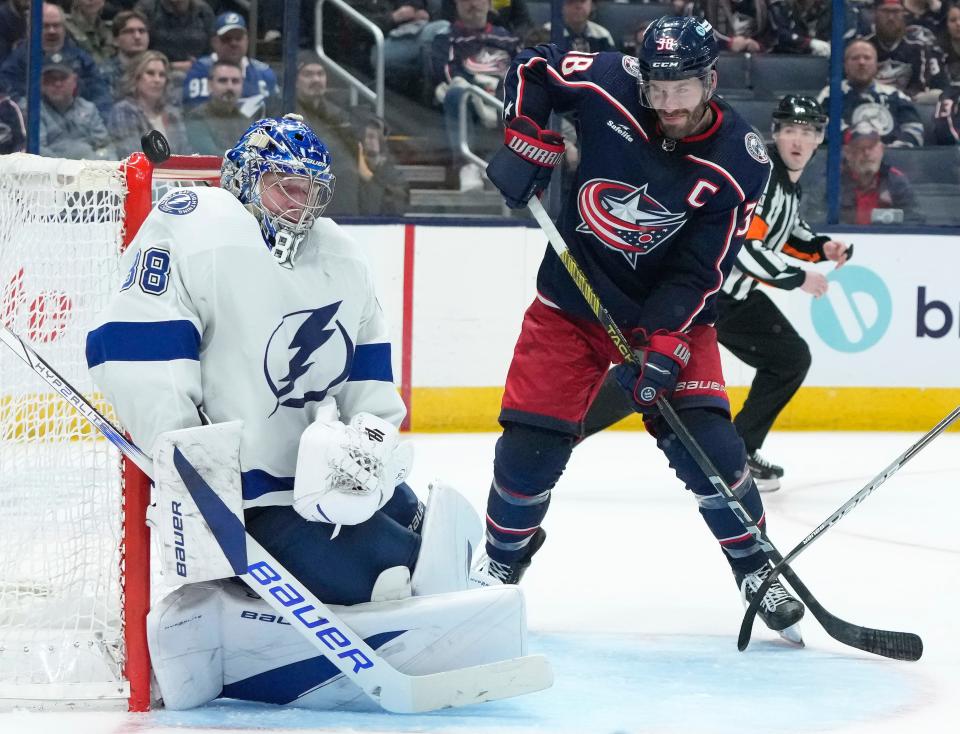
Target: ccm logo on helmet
[665, 64]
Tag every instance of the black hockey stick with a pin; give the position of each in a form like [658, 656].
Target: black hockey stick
[747, 625]
[899, 645]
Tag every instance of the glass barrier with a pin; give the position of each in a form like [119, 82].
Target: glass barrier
[103, 84]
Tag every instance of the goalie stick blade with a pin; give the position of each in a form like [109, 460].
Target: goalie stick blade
[466, 686]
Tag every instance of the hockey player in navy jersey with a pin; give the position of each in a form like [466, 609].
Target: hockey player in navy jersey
[749, 324]
[668, 181]
[243, 303]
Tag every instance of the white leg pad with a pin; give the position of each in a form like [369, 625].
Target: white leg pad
[264, 659]
[451, 531]
[269, 661]
[183, 634]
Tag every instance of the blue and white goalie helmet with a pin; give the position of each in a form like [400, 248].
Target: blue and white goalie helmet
[280, 171]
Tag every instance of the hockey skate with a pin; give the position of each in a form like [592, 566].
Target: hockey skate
[766, 475]
[489, 572]
[779, 610]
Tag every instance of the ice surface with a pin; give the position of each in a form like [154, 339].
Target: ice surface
[633, 603]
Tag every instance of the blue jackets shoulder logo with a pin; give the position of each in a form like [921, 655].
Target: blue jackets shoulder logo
[625, 218]
[308, 354]
[178, 202]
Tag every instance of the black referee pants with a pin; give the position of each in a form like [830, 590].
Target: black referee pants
[758, 333]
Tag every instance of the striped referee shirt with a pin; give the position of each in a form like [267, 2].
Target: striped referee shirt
[776, 230]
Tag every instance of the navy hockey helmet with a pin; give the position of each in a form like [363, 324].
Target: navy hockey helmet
[288, 146]
[677, 47]
[799, 109]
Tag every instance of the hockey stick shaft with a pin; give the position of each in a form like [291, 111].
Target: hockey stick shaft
[848, 506]
[880, 642]
[347, 651]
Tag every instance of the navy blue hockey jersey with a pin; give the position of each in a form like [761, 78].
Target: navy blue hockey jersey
[655, 225]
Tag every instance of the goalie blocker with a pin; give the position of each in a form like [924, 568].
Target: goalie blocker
[214, 638]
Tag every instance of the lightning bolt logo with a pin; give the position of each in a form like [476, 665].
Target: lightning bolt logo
[308, 356]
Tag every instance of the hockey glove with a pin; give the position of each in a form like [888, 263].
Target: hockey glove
[658, 366]
[521, 169]
[345, 473]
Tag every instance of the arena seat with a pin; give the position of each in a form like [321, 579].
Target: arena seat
[756, 112]
[774, 75]
[934, 165]
[733, 73]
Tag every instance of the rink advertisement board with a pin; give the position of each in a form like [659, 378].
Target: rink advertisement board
[885, 340]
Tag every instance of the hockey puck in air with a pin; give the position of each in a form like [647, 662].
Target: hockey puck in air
[155, 146]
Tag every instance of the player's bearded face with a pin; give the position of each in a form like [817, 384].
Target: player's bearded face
[680, 104]
[796, 144]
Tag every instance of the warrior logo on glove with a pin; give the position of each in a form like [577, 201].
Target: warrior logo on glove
[625, 218]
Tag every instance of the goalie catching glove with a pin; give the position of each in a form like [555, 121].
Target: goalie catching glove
[658, 366]
[522, 168]
[345, 473]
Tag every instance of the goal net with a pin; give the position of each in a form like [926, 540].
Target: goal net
[74, 553]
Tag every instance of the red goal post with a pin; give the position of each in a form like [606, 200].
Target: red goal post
[75, 571]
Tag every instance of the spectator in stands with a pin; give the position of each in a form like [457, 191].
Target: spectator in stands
[231, 43]
[383, 190]
[215, 125]
[946, 117]
[929, 14]
[145, 106]
[738, 24]
[58, 48]
[909, 58]
[510, 14]
[13, 25]
[86, 26]
[950, 42]
[408, 32]
[788, 32]
[873, 191]
[471, 52]
[579, 32]
[403, 47]
[865, 99]
[180, 29]
[70, 126]
[13, 133]
[333, 126]
[131, 37]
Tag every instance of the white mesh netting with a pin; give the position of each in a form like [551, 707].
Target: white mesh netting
[60, 517]
[61, 524]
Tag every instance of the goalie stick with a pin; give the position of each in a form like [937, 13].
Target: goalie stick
[394, 691]
[746, 627]
[898, 645]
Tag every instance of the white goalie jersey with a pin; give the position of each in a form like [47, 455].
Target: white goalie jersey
[207, 328]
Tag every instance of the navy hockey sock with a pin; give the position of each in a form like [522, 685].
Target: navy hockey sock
[716, 434]
[528, 463]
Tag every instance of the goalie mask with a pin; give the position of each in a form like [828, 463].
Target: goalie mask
[280, 171]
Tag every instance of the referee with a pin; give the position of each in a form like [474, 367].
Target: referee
[749, 324]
